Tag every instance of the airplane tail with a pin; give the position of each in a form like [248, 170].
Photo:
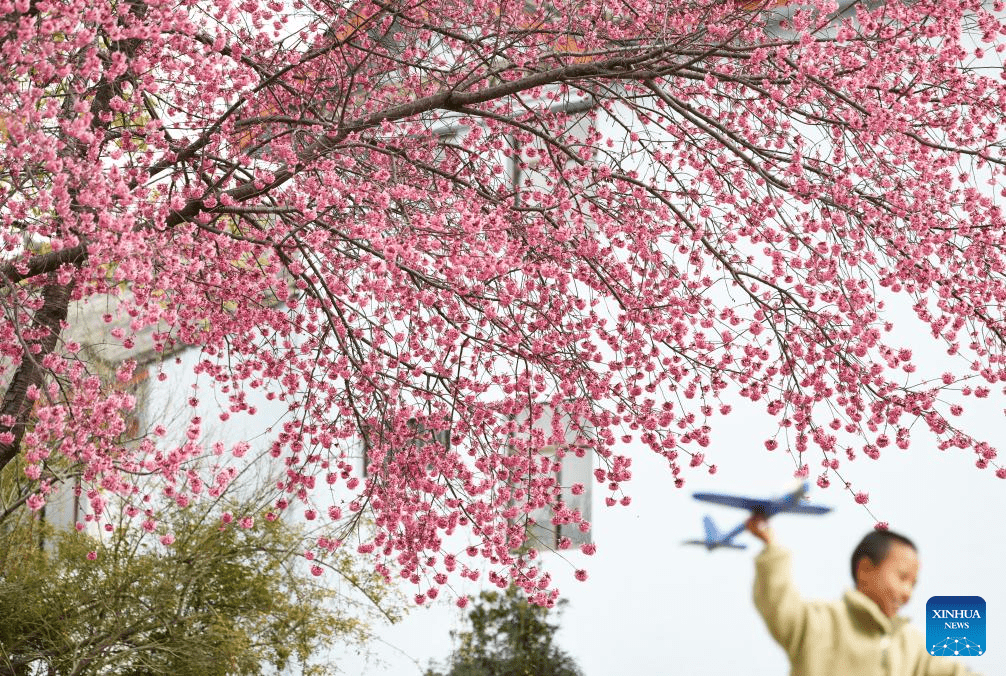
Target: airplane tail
[712, 533]
[800, 492]
[714, 537]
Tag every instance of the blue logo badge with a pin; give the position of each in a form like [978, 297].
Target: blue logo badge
[955, 626]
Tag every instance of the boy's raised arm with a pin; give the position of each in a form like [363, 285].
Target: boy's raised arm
[775, 595]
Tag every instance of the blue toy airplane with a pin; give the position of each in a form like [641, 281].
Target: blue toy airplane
[794, 503]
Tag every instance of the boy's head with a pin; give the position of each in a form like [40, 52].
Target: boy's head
[885, 567]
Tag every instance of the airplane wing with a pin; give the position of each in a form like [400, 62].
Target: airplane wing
[806, 509]
[714, 545]
[750, 504]
[792, 502]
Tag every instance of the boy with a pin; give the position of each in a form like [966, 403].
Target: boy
[861, 635]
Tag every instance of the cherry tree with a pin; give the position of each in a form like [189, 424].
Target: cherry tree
[425, 228]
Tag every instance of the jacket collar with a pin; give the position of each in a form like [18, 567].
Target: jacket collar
[870, 614]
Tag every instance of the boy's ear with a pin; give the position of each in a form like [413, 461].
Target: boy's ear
[863, 568]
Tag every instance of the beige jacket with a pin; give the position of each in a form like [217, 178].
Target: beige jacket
[851, 637]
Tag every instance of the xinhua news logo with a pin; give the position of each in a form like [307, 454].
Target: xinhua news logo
[955, 626]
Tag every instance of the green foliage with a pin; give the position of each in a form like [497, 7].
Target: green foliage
[508, 637]
[219, 600]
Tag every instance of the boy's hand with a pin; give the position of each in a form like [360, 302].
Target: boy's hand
[758, 525]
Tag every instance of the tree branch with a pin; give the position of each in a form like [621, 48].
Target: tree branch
[42, 264]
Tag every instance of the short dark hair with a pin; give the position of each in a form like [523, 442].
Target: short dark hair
[875, 546]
